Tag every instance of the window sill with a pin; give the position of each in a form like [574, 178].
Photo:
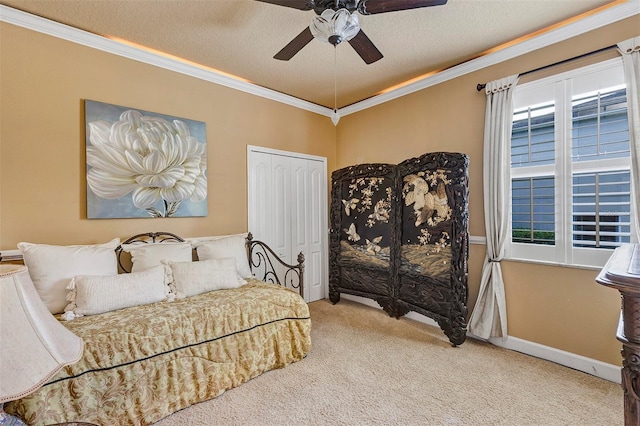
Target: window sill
[557, 264]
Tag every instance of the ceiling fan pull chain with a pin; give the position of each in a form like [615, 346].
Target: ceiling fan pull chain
[335, 78]
[335, 117]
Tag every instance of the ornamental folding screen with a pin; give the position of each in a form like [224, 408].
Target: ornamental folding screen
[399, 235]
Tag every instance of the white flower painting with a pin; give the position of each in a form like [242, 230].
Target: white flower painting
[142, 164]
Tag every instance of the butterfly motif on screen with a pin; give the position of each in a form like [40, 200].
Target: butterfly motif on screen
[380, 213]
[351, 232]
[372, 246]
[350, 205]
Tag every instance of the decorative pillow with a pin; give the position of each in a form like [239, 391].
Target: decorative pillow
[195, 241]
[191, 278]
[52, 267]
[233, 246]
[92, 295]
[146, 256]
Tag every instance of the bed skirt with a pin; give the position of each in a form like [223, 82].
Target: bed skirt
[145, 362]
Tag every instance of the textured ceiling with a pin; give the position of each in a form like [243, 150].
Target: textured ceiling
[240, 37]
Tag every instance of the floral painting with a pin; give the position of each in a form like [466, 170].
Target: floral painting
[144, 164]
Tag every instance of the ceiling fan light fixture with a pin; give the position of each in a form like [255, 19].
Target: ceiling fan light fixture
[336, 26]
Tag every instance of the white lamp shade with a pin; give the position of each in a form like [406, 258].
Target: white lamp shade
[34, 346]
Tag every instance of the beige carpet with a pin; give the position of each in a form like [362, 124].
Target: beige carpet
[366, 368]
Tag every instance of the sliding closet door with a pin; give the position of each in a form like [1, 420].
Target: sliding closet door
[288, 208]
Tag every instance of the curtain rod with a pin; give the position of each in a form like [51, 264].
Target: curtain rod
[481, 86]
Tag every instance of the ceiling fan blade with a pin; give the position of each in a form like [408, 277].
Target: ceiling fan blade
[365, 48]
[295, 45]
[296, 4]
[371, 7]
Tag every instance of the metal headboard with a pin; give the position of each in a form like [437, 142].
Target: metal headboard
[261, 256]
[146, 238]
[262, 259]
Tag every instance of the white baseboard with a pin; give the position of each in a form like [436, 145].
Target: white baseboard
[577, 362]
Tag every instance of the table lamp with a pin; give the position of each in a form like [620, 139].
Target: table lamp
[34, 346]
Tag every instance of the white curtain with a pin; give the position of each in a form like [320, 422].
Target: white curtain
[489, 317]
[630, 50]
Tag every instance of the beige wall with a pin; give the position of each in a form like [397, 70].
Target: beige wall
[559, 307]
[43, 81]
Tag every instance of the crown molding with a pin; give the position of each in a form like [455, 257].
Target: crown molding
[55, 29]
[606, 17]
[75, 35]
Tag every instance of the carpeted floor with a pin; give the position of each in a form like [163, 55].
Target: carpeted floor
[366, 368]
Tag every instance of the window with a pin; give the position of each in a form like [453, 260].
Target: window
[570, 167]
[533, 210]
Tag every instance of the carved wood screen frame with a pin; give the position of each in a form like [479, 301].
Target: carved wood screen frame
[440, 182]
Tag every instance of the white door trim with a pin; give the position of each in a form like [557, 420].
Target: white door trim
[254, 148]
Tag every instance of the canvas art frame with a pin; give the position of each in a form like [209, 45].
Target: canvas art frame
[142, 164]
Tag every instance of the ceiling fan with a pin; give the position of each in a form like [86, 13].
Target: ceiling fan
[337, 22]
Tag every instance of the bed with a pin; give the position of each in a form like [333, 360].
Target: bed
[144, 362]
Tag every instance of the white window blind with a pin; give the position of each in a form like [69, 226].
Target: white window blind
[570, 162]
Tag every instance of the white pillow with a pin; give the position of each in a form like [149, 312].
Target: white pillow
[199, 240]
[52, 267]
[92, 295]
[233, 246]
[145, 256]
[191, 278]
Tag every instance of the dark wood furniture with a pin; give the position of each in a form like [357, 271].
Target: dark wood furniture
[622, 272]
[399, 235]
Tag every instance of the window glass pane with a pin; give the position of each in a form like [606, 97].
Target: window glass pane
[533, 136]
[601, 209]
[600, 127]
[533, 210]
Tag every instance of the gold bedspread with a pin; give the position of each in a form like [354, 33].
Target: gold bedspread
[143, 363]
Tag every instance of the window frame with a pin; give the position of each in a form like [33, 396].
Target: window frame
[561, 87]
